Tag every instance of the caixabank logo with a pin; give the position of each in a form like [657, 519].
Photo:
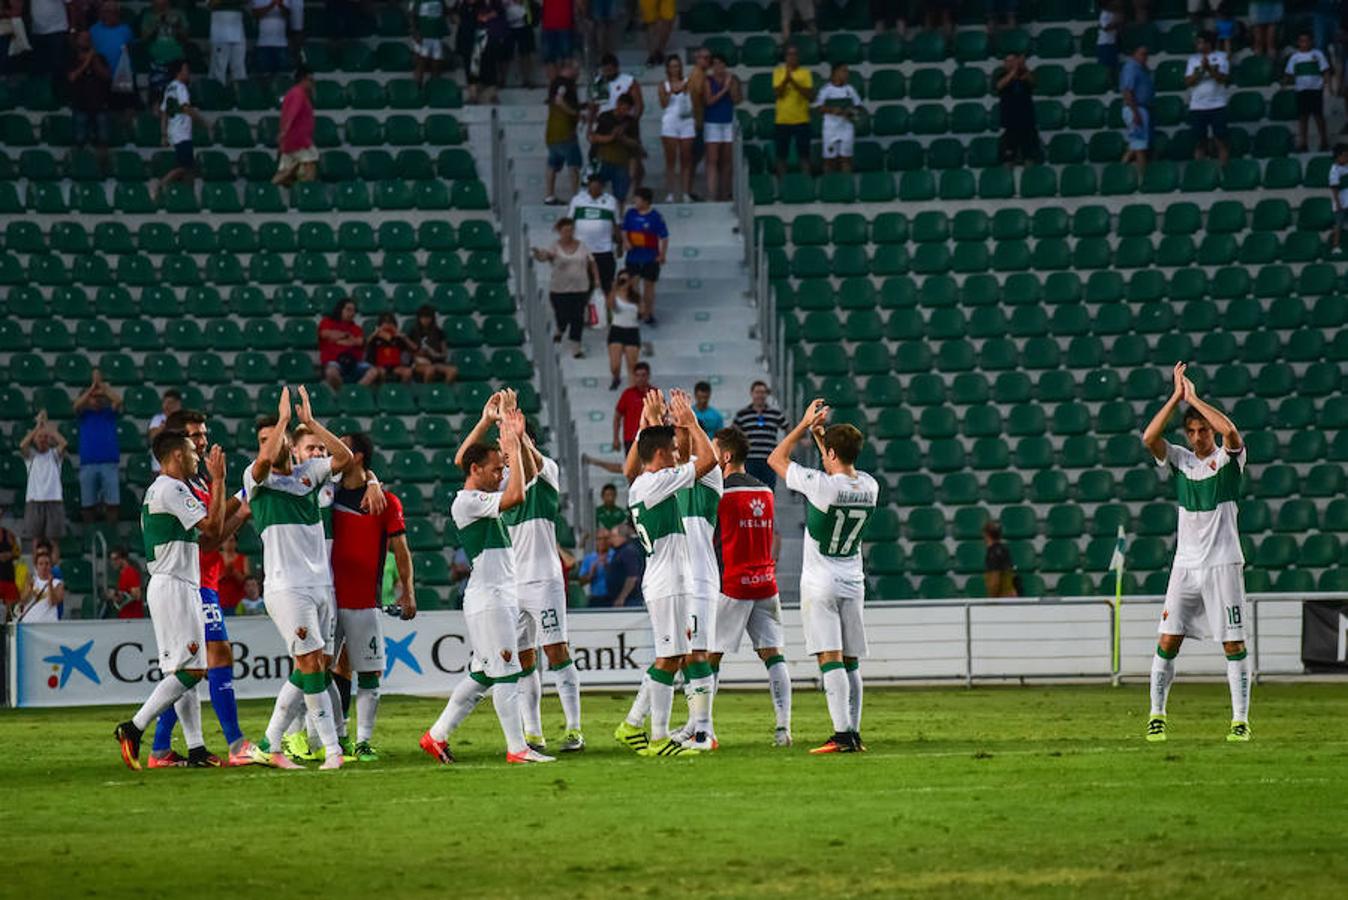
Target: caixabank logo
[70, 661]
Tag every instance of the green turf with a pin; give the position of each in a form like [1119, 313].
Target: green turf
[989, 792]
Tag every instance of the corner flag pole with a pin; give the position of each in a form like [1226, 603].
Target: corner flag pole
[1116, 563]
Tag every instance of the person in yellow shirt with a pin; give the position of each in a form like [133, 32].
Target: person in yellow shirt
[794, 87]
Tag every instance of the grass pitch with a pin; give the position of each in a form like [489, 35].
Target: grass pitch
[987, 792]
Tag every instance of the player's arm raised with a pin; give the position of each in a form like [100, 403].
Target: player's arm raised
[340, 453]
[684, 417]
[213, 526]
[512, 430]
[1219, 421]
[1154, 435]
[815, 414]
[491, 414]
[402, 558]
[266, 454]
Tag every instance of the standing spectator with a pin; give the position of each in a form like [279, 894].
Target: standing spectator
[430, 361]
[171, 402]
[10, 554]
[43, 595]
[558, 39]
[697, 92]
[594, 568]
[341, 348]
[235, 570]
[658, 17]
[44, 511]
[708, 416]
[1003, 10]
[624, 329]
[626, 566]
[176, 115]
[803, 10]
[794, 87]
[720, 96]
[228, 43]
[1225, 26]
[617, 144]
[560, 132]
[111, 37]
[520, 44]
[89, 83]
[631, 403]
[96, 411]
[647, 240]
[387, 350]
[677, 129]
[486, 64]
[609, 85]
[1138, 88]
[14, 55]
[1197, 9]
[273, 18]
[295, 29]
[1107, 39]
[942, 14]
[608, 515]
[600, 21]
[126, 599]
[1306, 69]
[1206, 75]
[163, 30]
[48, 32]
[892, 15]
[840, 103]
[1338, 190]
[761, 424]
[298, 155]
[573, 271]
[999, 572]
[428, 22]
[595, 213]
[1264, 21]
[1020, 129]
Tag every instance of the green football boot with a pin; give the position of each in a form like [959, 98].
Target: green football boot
[633, 737]
[1156, 729]
[1239, 733]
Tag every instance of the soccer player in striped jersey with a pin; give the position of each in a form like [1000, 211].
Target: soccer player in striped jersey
[284, 498]
[653, 502]
[839, 503]
[490, 610]
[1206, 594]
[746, 543]
[172, 520]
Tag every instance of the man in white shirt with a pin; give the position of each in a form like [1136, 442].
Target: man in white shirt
[1306, 69]
[1207, 75]
[595, 212]
[228, 43]
[273, 17]
[44, 512]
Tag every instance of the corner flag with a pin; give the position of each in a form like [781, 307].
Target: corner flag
[1116, 566]
[1116, 561]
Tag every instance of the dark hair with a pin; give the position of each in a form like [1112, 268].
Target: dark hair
[1305, 33]
[721, 57]
[265, 422]
[608, 59]
[562, 223]
[993, 529]
[702, 386]
[178, 421]
[1191, 414]
[763, 383]
[609, 487]
[302, 72]
[833, 68]
[119, 550]
[595, 175]
[174, 393]
[385, 318]
[476, 455]
[644, 193]
[733, 439]
[653, 439]
[642, 366]
[360, 443]
[337, 309]
[426, 310]
[166, 442]
[845, 441]
[1209, 36]
[673, 57]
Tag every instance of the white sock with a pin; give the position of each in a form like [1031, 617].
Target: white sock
[699, 704]
[367, 710]
[567, 681]
[506, 697]
[319, 708]
[1238, 677]
[467, 694]
[662, 705]
[779, 685]
[1162, 676]
[188, 708]
[164, 695]
[836, 690]
[288, 702]
[636, 716]
[335, 701]
[530, 691]
[854, 697]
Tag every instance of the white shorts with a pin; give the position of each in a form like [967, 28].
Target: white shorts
[761, 619]
[832, 622]
[1206, 603]
[363, 632]
[718, 132]
[179, 623]
[669, 624]
[680, 129]
[429, 48]
[492, 638]
[305, 617]
[291, 161]
[542, 613]
[838, 144]
[702, 617]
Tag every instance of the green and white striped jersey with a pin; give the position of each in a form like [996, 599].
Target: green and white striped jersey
[477, 516]
[836, 512]
[1207, 491]
[654, 503]
[698, 505]
[169, 516]
[286, 511]
[533, 527]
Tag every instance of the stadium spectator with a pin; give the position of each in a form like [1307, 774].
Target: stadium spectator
[1020, 130]
[658, 17]
[1326, 16]
[228, 43]
[720, 95]
[1225, 27]
[761, 424]
[678, 127]
[1206, 75]
[251, 603]
[624, 328]
[428, 23]
[520, 42]
[615, 142]
[794, 87]
[594, 568]
[125, 599]
[430, 361]
[298, 156]
[111, 38]
[89, 86]
[1107, 38]
[626, 566]
[598, 21]
[1138, 87]
[10, 555]
[608, 515]
[171, 402]
[1338, 190]
[341, 348]
[631, 402]
[1264, 21]
[802, 10]
[943, 14]
[235, 570]
[559, 134]
[573, 271]
[460, 571]
[697, 92]
[999, 571]
[486, 64]
[42, 596]
[892, 15]
[44, 512]
[1001, 14]
[271, 56]
[608, 86]
[647, 240]
[1306, 70]
[557, 41]
[176, 115]
[388, 350]
[48, 30]
[163, 31]
[1197, 9]
[839, 102]
[708, 416]
[595, 213]
[295, 29]
[96, 410]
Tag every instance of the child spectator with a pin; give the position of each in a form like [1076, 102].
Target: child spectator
[387, 349]
[1338, 186]
[176, 115]
[428, 24]
[647, 239]
[840, 103]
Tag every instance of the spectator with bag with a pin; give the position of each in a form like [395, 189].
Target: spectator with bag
[112, 38]
[341, 348]
[677, 129]
[573, 271]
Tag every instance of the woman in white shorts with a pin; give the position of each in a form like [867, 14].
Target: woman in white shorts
[718, 126]
[677, 129]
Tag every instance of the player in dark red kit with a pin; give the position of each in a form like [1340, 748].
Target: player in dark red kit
[747, 545]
